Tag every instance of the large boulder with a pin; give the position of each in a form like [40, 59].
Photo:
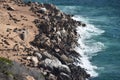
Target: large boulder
[52, 63]
[42, 10]
[33, 59]
[56, 64]
[45, 54]
[64, 68]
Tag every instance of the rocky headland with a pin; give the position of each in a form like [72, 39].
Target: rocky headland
[37, 42]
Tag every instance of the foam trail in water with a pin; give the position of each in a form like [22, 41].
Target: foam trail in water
[86, 46]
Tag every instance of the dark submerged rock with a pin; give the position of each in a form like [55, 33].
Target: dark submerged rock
[83, 25]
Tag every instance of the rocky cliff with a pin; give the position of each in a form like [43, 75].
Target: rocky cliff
[41, 38]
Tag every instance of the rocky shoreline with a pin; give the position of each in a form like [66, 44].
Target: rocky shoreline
[42, 37]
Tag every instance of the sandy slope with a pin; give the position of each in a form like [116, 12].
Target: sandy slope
[12, 25]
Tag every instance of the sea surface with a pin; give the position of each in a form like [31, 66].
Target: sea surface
[100, 40]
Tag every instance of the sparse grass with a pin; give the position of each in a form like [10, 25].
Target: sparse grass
[5, 65]
[5, 61]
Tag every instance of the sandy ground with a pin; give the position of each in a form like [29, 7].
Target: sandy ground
[17, 30]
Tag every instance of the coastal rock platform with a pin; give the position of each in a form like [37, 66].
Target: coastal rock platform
[41, 37]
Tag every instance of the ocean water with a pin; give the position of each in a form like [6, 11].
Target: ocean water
[100, 40]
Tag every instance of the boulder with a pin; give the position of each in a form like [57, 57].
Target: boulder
[64, 68]
[83, 25]
[38, 55]
[47, 43]
[66, 59]
[10, 8]
[52, 63]
[51, 77]
[57, 50]
[42, 10]
[45, 54]
[78, 73]
[56, 64]
[64, 76]
[34, 60]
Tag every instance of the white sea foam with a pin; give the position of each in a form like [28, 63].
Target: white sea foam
[87, 46]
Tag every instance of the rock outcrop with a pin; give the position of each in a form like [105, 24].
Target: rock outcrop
[40, 36]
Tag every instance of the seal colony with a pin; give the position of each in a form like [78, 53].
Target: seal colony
[41, 37]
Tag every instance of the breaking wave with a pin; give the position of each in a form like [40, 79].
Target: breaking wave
[88, 46]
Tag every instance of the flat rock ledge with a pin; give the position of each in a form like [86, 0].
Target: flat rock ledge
[43, 38]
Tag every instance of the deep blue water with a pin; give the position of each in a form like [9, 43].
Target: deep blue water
[104, 15]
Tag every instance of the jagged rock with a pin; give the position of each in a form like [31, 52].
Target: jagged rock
[79, 23]
[47, 43]
[64, 76]
[46, 18]
[42, 10]
[64, 68]
[39, 56]
[65, 58]
[45, 54]
[52, 63]
[74, 53]
[58, 32]
[57, 50]
[55, 63]
[8, 7]
[51, 77]
[78, 73]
